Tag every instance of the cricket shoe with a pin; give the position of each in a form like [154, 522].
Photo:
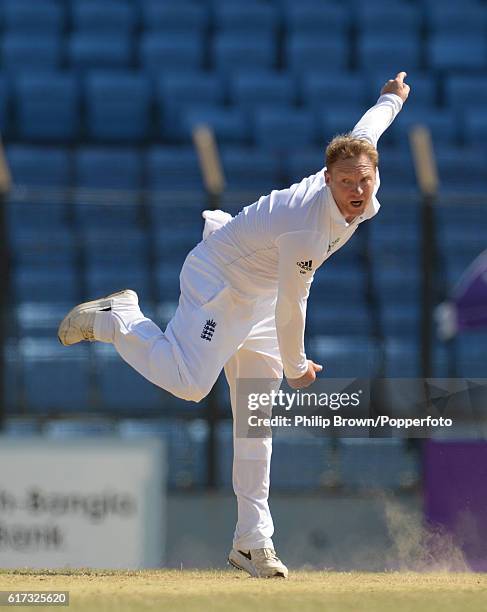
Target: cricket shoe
[79, 323]
[258, 562]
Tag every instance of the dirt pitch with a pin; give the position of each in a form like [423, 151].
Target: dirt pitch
[229, 591]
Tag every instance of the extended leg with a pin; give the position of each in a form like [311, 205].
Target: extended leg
[252, 456]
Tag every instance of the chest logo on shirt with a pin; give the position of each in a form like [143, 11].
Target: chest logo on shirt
[335, 242]
[306, 266]
[208, 330]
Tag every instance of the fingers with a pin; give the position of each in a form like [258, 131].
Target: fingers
[401, 76]
[317, 367]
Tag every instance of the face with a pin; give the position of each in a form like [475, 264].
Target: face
[351, 182]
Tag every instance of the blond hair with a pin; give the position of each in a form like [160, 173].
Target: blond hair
[346, 146]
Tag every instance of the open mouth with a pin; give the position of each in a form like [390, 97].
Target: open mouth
[356, 203]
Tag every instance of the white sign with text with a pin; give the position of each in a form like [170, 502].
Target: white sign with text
[97, 503]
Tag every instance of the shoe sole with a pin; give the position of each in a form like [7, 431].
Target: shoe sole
[99, 303]
[253, 573]
[242, 569]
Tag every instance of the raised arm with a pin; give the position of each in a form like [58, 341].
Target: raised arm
[378, 118]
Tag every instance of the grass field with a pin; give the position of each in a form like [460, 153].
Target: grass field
[178, 591]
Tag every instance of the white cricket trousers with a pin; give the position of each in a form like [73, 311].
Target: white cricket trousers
[214, 327]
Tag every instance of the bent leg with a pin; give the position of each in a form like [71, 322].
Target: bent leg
[187, 358]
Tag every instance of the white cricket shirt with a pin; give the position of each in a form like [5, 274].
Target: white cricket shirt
[277, 243]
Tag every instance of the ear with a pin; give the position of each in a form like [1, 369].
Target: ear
[327, 177]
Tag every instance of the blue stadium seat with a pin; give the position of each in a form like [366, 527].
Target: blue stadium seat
[281, 128]
[252, 17]
[53, 283]
[123, 246]
[40, 320]
[118, 106]
[186, 446]
[5, 96]
[368, 464]
[175, 92]
[462, 170]
[250, 168]
[338, 121]
[185, 17]
[109, 278]
[402, 357]
[343, 281]
[302, 460]
[465, 240]
[322, 91]
[471, 355]
[119, 172]
[37, 166]
[464, 91]
[89, 50]
[300, 164]
[249, 90]
[160, 54]
[475, 127]
[401, 320]
[32, 249]
[167, 279]
[172, 169]
[108, 168]
[387, 52]
[30, 214]
[25, 52]
[396, 168]
[122, 389]
[175, 244]
[375, 19]
[312, 52]
[384, 245]
[333, 318]
[91, 16]
[449, 19]
[256, 52]
[48, 107]
[228, 124]
[457, 51]
[315, 16]
[346, 356]
[390, 285]
[225, 453]
[443, 124]
[469, 218]
[44, 361]
[42, 16]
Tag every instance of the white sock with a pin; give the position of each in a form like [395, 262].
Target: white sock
[103, 327]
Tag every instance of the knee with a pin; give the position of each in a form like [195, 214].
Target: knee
[191, 393]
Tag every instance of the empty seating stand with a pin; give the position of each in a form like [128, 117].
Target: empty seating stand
[42, 16]
[48, 107]
[102, 97]
[118, 106]
[102, 18]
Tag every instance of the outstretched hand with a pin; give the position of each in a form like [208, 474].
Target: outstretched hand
[397, 86]
[307, 378]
